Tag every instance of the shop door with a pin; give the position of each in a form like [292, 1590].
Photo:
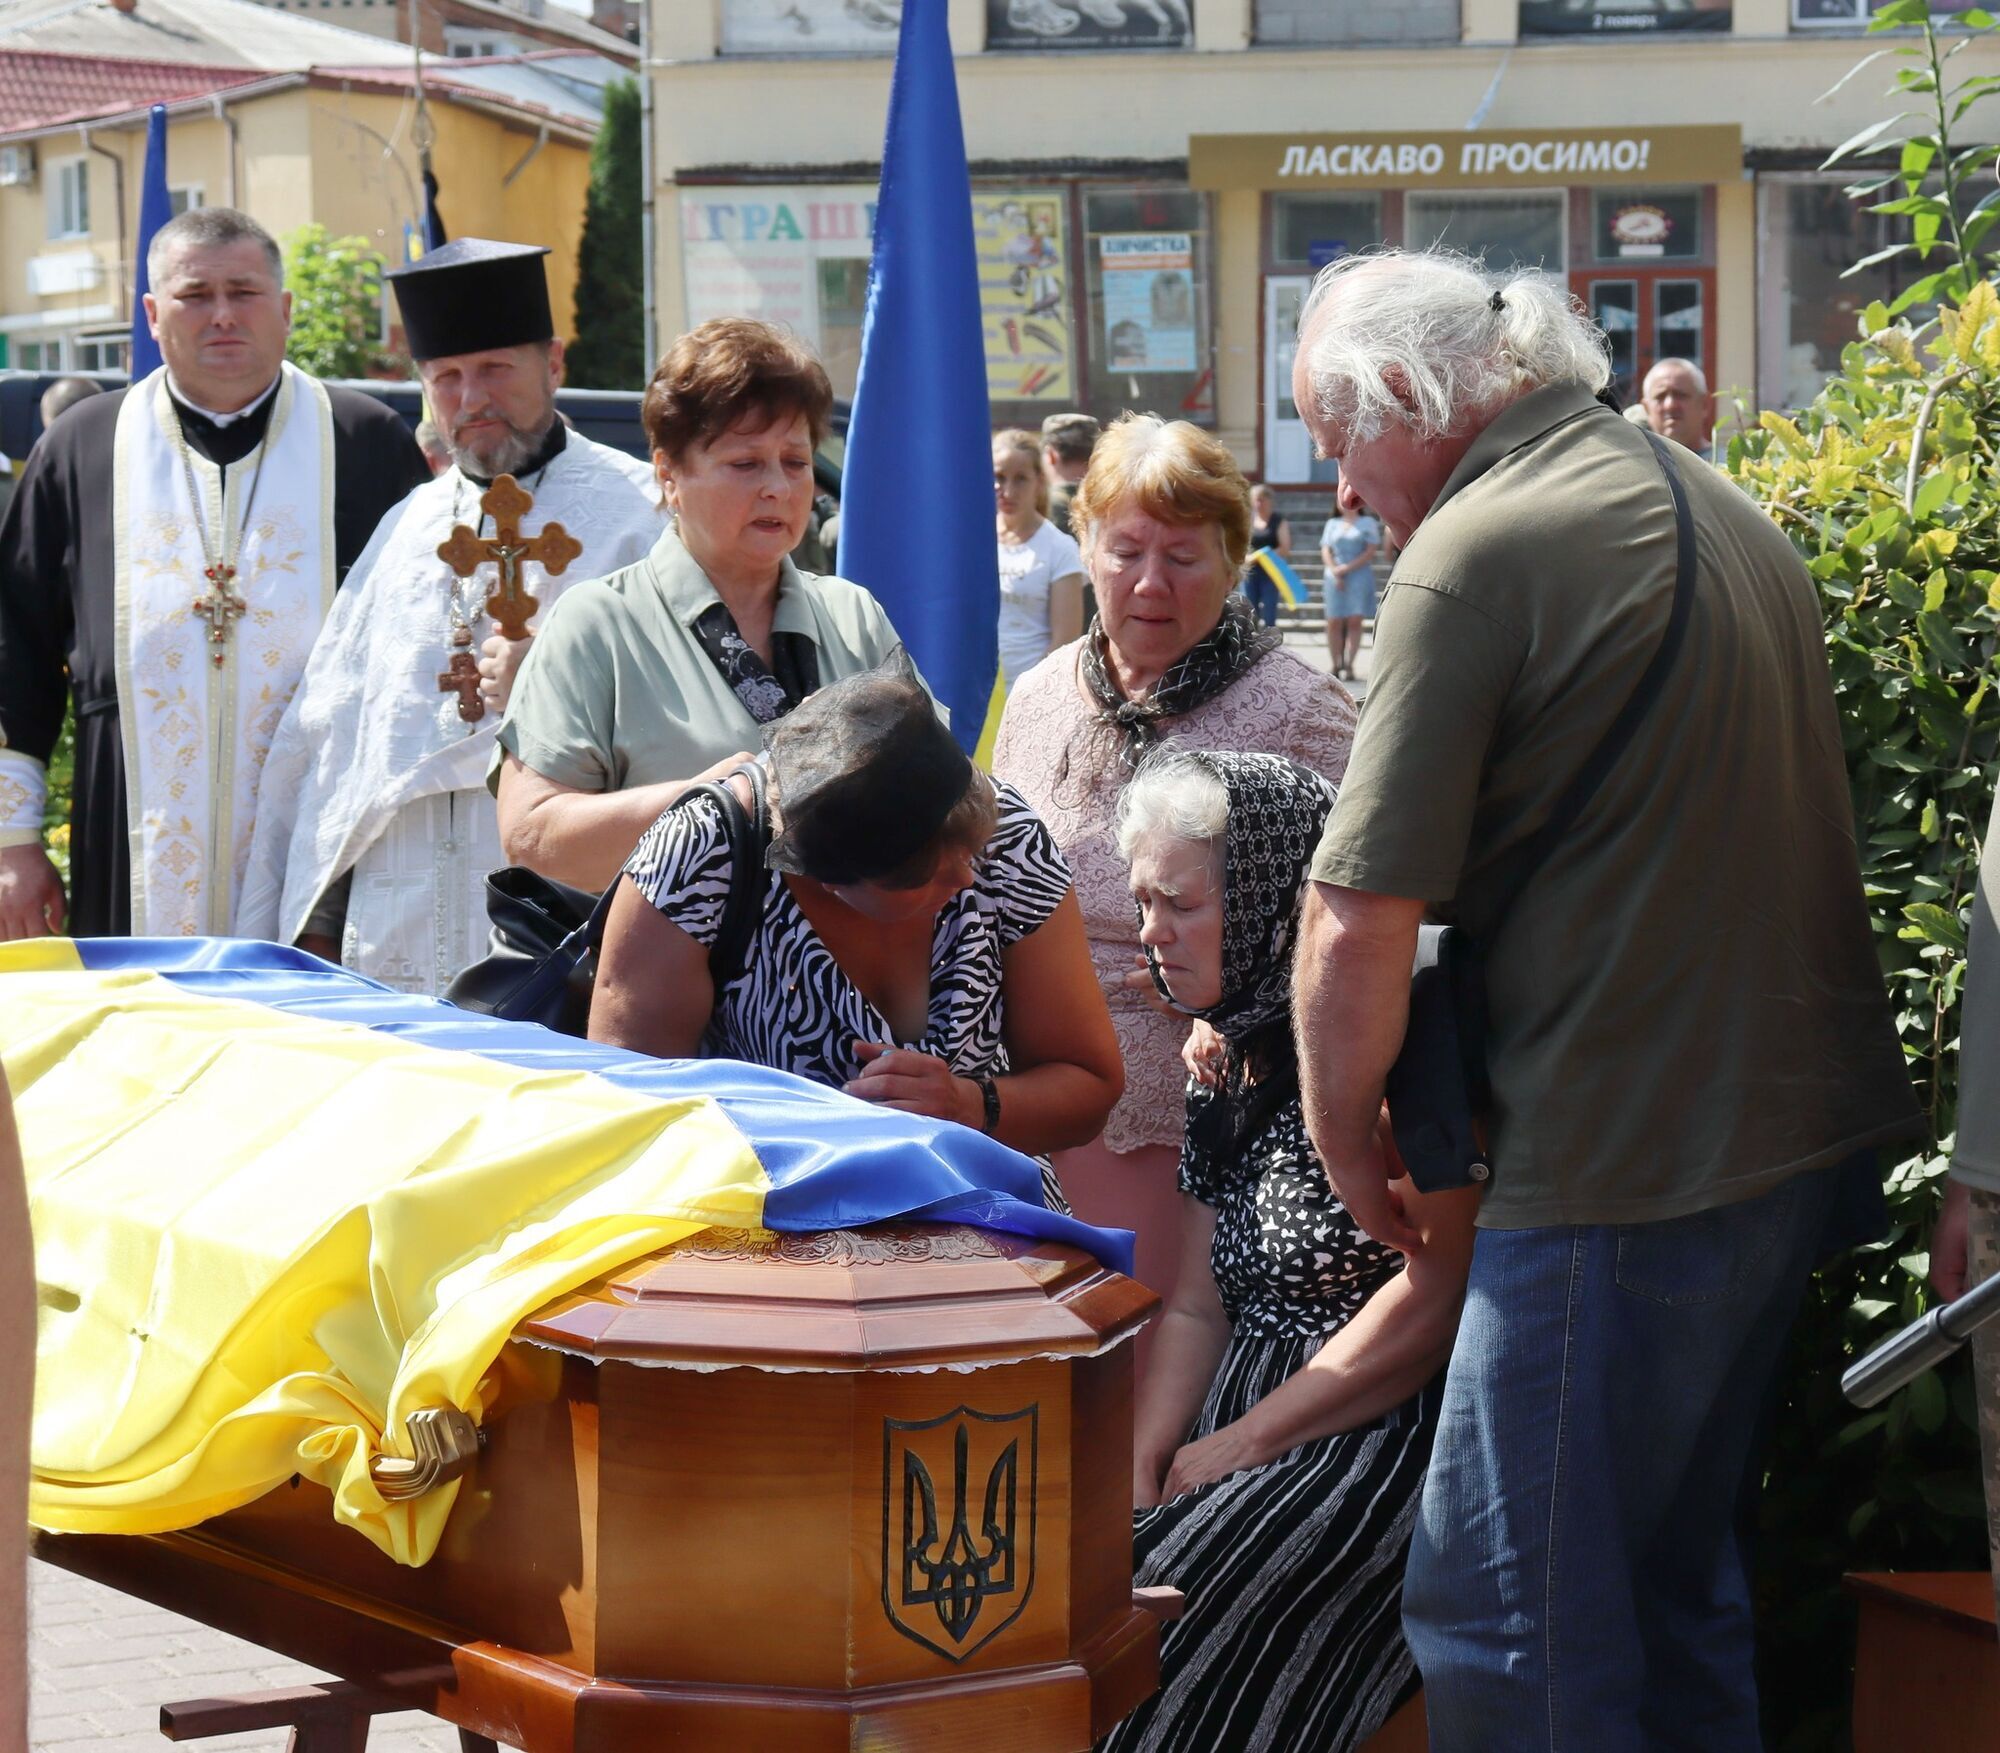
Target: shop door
[1650, 314]
[1288, 450]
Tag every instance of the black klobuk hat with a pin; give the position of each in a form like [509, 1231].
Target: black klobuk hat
[474, 294]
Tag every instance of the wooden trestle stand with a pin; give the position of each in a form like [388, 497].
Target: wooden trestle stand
[864, 1488]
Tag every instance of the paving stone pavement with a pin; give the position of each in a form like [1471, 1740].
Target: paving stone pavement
[100, 1665]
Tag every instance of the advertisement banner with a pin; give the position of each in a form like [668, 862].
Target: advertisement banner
[1148, 301]
[1561, 17]
[1088, 24]
[810, 27]
[1024, 295]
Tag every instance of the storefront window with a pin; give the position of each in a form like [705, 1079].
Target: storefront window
[1626, 17]
[1630, 225]
[1027, 301]
[810, 27]
[1677, 320]
[1810, 232]
[1832, 14]
[1086, 24]
[1308, 231]
[1614, 307]
[1149, 345]
[1357, 21]
[1509, 231]
[797, 256]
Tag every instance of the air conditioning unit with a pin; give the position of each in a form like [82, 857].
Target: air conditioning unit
[17, 166]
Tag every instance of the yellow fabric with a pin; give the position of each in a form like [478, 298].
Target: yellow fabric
[1268, 565]
[263, 1239]
[989, 732]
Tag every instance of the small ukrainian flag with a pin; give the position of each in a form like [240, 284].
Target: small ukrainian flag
[1276, 568]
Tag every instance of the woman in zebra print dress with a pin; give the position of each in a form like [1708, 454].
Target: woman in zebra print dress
[915, 940]
[1286, 1420]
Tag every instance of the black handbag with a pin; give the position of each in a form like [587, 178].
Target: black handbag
[541, 966]
[1438, 1090]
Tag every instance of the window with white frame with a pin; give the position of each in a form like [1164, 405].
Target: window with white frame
[69, 198]
[1851, 14]
[102, 352]
[183, 196]
[39, 355]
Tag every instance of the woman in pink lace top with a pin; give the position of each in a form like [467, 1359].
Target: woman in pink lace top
[1176, 652]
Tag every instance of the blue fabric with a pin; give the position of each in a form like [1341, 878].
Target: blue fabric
[155, 209]
[916, 511]
[1577, 1581]
[1262, 590]
[834, 1162]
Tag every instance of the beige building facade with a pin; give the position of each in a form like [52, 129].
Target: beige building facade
[289, 150]
[1151, 203]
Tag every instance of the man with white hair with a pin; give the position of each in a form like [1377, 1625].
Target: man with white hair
[1690, 1051]
[1678, 405]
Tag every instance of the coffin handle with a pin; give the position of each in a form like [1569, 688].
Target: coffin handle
[446, 1443]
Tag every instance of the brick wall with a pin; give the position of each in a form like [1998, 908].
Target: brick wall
[1356, 21]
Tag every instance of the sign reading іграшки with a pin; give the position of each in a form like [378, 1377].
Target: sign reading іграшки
[1458, 159]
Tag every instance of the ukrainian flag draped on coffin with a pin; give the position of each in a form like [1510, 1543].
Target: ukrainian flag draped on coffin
[278, 1208]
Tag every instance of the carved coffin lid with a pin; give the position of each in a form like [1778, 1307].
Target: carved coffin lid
[892, 1297]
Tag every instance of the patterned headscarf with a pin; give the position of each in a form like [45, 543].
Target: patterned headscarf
[1277, 811]
[1217, 659]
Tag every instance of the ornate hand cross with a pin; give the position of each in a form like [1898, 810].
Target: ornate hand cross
[465, 551]
[219, 607]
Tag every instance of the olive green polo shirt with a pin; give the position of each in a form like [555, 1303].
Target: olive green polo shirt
[1976, 1156]
[616, 691]
[1685, 1001]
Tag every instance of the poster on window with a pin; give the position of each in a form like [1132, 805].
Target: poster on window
[1024, 295]
[810, 27]
[791, 255]
[1088, 24]
[1148, 301]
[1561, 17]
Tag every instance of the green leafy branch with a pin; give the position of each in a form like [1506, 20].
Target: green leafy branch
[1932, 172]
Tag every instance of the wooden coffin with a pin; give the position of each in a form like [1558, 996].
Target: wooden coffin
[855, 1489]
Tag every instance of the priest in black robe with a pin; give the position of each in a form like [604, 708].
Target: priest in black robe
[167, 564]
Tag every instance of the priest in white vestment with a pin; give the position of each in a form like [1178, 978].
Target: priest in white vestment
[379, 831]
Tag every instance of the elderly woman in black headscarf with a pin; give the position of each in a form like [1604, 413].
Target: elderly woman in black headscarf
[1285, 1422]
[907, 930]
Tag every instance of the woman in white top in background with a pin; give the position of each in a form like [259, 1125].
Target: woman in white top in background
[1041, 571]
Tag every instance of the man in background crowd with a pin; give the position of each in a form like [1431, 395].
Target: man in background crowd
[1067, 441]
[63, 395]
[1678, 405]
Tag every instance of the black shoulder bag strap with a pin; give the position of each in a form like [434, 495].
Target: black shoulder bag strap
[1437, 1088]
[1534, 853]
[747, 835]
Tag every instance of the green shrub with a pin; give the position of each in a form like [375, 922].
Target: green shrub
[1886, 485]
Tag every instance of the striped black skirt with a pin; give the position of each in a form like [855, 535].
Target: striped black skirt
[1291, 1640]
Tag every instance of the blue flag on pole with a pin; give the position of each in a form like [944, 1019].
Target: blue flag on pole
[916, 518]
[154, 212]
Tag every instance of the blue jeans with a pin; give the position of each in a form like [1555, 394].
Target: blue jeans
[1576, 1582]
[1262, 590]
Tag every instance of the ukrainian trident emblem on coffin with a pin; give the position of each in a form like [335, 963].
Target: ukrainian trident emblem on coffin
[958, 1525]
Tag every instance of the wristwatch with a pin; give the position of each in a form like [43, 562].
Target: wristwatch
[989, 1093]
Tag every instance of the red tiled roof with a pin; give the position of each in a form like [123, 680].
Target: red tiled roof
[38, 87]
